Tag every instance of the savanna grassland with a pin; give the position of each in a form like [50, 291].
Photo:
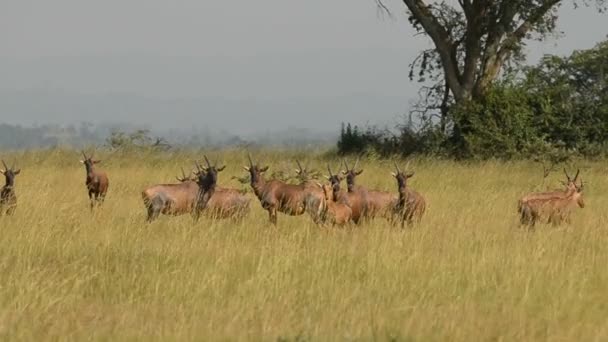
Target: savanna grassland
[467, 272]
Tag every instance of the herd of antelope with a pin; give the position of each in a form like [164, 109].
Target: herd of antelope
[326, 203]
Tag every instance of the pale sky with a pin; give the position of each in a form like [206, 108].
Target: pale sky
[235, 65]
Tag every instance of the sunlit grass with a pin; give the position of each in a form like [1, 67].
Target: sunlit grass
[466, 273]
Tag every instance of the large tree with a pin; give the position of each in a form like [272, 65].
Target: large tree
[475, 39]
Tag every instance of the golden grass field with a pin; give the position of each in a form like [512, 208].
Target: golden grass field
[466, 273]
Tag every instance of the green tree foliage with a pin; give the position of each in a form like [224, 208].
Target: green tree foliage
[474, 41]
[559, 106]
[561, 103]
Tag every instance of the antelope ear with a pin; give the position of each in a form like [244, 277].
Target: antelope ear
[81, 161]
[2, 171]
[319, 184]
[96, 161]
[264, 169]
[394, 174]
[410, 175]
[246, 168]
[359, 172]
[297, 171]
[343, 172]
[16, 172]
[221, 168]
[327, 177]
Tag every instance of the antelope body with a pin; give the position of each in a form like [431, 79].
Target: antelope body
[314, 198]
[8, 198]
[411, 205]
[170, 199]
[570, 185]
[181, 198]
[357, 196]
[276, 196]
[96, 181]
[216, 202]
[338, 211]
[554, 210]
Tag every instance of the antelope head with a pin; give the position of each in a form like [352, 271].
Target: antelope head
[334, 179]
[206, 177]
[303, 174]
[402, 177]
[9, 173]
[255, 171]
[88, 161]
[351, 174]
[570, 183]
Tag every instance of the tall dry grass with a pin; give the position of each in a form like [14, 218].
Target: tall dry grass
[466, 273]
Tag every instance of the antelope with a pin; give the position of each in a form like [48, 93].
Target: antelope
[276, 196]
[338, 212]
[8, 198]
[313, 194]
[218, 202]
[357, 195]
[569, 186]
[96, 182]
[411, 205]
[553, 210]
[379, 203]
[170, 199]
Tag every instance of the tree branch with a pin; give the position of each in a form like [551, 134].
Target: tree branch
[442, 40]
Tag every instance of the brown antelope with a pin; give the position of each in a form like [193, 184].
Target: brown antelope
[218, 202]
[181, 198]
[357, 195]
[97, 181]
[313, 194]
[554, 210]
[379, 203]
[170, 199]
[569, 186]
[8, 198]
[411, 205]
[276, 196]
[338, 211]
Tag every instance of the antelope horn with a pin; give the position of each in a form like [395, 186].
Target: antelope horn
[329, 169]
[5, 167]
[345, 165]
[356, 163]
[183, 173]
[576, 176]
[299, 165]
[566, 173]
[84, 155]
[397, 167]
[249, 157]
[407, 166]
[207, 160]
[198, 167]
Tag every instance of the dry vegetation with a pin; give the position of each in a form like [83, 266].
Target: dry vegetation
[466, 273]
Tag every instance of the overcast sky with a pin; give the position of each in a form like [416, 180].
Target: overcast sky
[310, 63]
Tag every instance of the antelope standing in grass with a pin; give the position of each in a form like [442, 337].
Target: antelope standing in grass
[215, 201]
[357, 195]
[554, 210]
[8, 198]
[96, 182]
[570, 185]
[276, 196]
[379, 203]
[313, 194]
[411, 205]
[170, 199]
[338, 210]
